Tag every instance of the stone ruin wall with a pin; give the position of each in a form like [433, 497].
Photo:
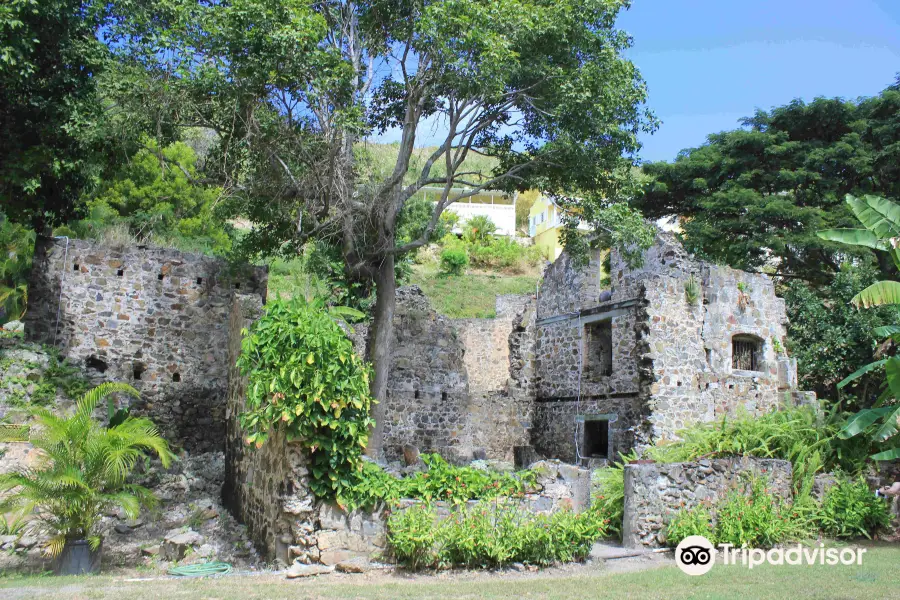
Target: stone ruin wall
[655, 492]
[154, 318]
[671, 359]
[459, 387]
[497, 418]
[428, 388]
[268, 488]
[569, 298]
[689, 344]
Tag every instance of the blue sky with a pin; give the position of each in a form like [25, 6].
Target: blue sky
[710, 62]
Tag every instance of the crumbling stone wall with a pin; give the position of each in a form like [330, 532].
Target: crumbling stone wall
[154, 318]
[655, 492]
[428, 387]
[497, 420]
[671, 355]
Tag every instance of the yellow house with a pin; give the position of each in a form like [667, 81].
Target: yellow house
[544, 226]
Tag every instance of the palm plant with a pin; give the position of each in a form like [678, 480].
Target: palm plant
[880, 218]
[84, 469]
[16, 245]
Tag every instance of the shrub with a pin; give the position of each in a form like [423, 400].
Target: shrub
[609, 501]
[504, 253]
[305, 378]
[454, 484]
[491, 534]
[851, 509]
[411, 535]
[754, 518]
[84, 470]
[688, 522]
[479, 230]
[454, 256]
[757, 519]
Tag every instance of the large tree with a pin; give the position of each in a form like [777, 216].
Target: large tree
[59, 136]
[291, 87]
[757, 195]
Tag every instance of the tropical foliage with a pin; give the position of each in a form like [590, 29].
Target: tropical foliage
[157, 196]
[306, 381]
[84, 469]
[491, 534]
[17, 247]
[373, 486]
[754, 197]
[830, 338]
[880, 218]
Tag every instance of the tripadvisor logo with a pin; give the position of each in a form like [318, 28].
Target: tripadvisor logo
[696, 555]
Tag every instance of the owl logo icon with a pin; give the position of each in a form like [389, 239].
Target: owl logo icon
[695, 555]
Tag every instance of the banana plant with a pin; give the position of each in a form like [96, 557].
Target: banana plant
[880, 219]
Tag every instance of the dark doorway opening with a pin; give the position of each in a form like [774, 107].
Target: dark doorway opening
[596, 439]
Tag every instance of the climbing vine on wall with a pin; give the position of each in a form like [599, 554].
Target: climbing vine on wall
[305, 379]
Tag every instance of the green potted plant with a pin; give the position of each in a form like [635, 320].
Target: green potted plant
[83, 474]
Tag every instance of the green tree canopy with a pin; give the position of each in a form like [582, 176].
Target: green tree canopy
[759, 194]
[290, 87]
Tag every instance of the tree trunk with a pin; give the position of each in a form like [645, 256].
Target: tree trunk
[380, 350]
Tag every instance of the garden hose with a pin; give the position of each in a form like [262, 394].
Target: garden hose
[201, 570]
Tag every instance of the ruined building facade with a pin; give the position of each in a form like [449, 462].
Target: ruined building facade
[660, 347]
[154, 318]
[582, 369]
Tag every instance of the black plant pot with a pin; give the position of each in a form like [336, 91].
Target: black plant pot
[77, 558]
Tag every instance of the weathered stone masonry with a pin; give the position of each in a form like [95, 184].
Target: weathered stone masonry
[154, 318]
[672, 357]
[655, 492]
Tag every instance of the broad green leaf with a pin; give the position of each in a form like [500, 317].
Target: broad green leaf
[878, 294]
[892, 371]
[861, 371]
[854, 237]
[862, 421]
[887, 330]
[878, 215]
[892, 454]
[889, 428]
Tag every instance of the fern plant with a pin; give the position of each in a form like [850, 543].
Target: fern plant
[84, 469]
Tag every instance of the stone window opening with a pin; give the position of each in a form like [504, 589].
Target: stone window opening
[746, 351]
[598, 359]
[199, 281]
[137, 369]
[75, 267]
[160, 276]
[596, 438]
[120, 273]
[237, 286]
[417, 394]
[444, 396]
[176, 377]
[96, 364]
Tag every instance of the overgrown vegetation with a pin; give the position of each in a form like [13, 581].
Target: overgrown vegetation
[305, 380]
[757, 519]
[84, 470]
[16, 250]
[810, 441]
[480, 248]
[374, 486]
[850, 509]
[492, 533]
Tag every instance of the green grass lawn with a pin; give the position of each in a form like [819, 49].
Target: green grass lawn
[471, 295]
[878, 577]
